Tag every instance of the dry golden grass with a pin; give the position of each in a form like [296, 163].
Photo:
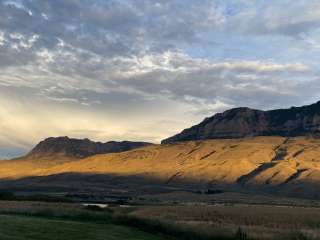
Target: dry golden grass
[293, 164]
[259, 222]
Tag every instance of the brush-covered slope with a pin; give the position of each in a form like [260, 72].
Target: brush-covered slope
[79, 148]
[244, 122]
[288, 166]
[57, 150]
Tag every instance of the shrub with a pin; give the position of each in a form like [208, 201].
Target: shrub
[241, 235]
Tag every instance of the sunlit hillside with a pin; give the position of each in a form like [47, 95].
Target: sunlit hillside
[287, 166]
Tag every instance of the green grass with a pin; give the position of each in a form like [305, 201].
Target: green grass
[14, 227]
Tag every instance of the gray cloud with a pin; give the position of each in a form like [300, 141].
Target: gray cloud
[277, 17]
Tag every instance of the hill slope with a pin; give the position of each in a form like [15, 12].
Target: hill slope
[79, 148]
[244, 122]
[57, 150]
[285, 166]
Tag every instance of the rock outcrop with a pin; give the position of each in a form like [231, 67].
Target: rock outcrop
[246, 122]
[79, 148]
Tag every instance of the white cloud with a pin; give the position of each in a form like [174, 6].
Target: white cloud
[2, 39]
[21, 41]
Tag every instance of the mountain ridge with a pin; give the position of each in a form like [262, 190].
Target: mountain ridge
[79, 148]
[280, 165]
[246, 122]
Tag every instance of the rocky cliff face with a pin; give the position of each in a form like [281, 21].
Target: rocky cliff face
[79, 148]
[246, 122]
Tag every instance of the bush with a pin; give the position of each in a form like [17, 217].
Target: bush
[170, 229]
[241, 235]
[7, 196]
[94, 208]
[300, 236]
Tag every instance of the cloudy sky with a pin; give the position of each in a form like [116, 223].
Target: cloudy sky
[145, 69]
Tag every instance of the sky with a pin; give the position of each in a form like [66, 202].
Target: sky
[143, 70]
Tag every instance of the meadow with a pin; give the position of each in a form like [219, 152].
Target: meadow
[44, 220]
[17, 227]
[243, 221]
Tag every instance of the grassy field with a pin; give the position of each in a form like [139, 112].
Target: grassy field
[14, 227]
[46, 221]
[256, 221]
